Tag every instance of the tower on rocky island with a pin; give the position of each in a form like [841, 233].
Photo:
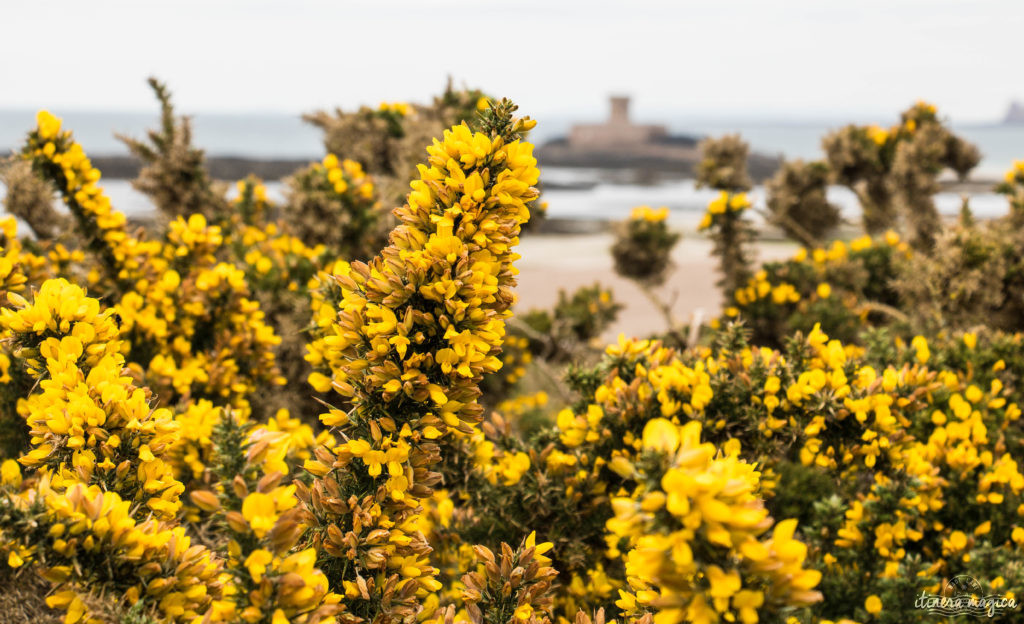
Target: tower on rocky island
[618, 130]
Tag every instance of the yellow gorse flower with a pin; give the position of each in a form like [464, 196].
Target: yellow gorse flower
[646, 213]
[84, 523]
[87, 420]
[714, 500]
[398, 108]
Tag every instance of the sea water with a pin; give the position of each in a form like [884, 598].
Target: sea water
[613, 202]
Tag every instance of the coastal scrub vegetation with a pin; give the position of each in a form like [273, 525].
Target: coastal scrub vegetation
[326, 412]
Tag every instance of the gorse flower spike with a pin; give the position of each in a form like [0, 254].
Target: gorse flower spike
[416, 329]
[57, 157]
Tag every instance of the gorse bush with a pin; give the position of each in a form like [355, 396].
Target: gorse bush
[318, 413]
[970, 277]
[1013, 187]
[929, 277]
[723, 164]
[797, 202]
[732, 235]
[894, 172]
[334, 203]
[173, 174]
[723, 167]
[841, 288]
[575, 322]
[31, 200]
[388, 140]
[643, 245]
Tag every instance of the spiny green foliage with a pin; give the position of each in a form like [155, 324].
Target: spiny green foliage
[798, 204]
[388, 140]
[723, 164]
[30, 199]
[174, 174]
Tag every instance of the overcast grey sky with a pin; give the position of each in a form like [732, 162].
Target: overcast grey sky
[744, 58]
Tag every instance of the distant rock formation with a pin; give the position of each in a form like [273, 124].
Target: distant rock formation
[1014, 114]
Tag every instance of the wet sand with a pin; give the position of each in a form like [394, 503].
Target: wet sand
[551, 263]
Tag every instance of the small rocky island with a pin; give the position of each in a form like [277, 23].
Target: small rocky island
[1015, 113]
[618, 143]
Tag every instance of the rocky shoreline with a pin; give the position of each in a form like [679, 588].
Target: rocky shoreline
[220, 167]
[678, 155]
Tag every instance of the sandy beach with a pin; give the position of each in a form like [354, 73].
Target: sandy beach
[553, 263]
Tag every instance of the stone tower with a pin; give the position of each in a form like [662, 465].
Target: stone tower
[620, 110]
